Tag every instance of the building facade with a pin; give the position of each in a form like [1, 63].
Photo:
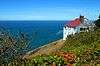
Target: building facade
[80, 24]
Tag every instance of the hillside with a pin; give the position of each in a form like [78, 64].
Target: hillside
[82, 41]
[85, 46]
[46, 49]
[82, 49]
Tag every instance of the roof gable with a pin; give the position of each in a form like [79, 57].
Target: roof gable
[74, 23]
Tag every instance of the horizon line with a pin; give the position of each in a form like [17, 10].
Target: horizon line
[34, 20]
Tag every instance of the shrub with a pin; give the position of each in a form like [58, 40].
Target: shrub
[12, 47]
[97, 23]
[48, 60]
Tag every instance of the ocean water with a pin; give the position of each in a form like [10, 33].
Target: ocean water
[41, 32]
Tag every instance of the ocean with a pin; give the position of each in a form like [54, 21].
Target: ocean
[41, 32]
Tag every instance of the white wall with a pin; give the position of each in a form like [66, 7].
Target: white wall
[68, 31]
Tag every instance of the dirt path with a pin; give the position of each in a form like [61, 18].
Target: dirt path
[47, 49]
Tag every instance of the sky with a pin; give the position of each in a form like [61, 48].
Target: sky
[48, 9]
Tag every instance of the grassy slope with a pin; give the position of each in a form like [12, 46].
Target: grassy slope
[78, 44]
[82, 41]
[83, 45]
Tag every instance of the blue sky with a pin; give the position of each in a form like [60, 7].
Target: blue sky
[48, 9]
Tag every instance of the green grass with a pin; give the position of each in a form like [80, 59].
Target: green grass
[86, 46]
[84, 40]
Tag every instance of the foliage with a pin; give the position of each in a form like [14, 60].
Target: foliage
[86, 46]
[81, 41]
[97, 23]
[53, 60]
[97, 53]
[11, 46]
[82, 49]
[44, 60]
[69, 57]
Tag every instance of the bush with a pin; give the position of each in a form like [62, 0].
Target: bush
[81, 44]
[48, 60]
[97, 23]
[12, 47]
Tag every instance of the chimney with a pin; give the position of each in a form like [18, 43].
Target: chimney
[81, 19]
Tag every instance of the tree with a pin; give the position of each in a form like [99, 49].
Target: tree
[97, 22]
[12, 47]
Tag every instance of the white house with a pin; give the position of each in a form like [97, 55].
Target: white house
[68, 31]
[70, 28]
[78, 25]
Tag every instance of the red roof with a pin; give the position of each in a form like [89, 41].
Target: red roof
[74, 23]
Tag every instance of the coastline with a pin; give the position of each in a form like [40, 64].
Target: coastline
[45, 49]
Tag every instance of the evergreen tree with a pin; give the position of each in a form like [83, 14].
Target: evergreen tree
[97, 22]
